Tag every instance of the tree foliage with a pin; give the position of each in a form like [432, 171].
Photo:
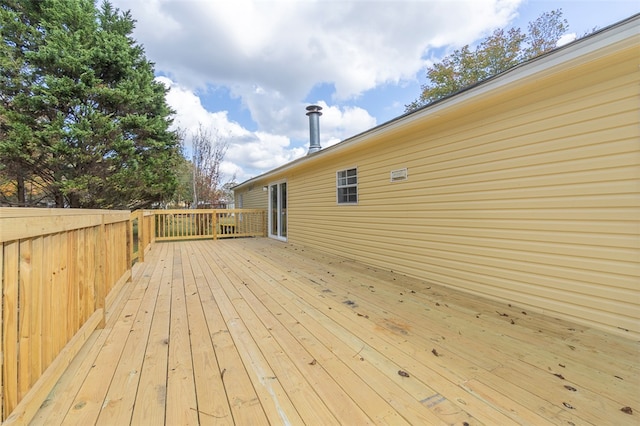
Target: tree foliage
[209, 149]
[82, 119]
[201, 181]
[502, 50]
[183, 195]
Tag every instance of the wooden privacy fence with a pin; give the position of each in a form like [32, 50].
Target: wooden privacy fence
[210, 223]
[62, 269]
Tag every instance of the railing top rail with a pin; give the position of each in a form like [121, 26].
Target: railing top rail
[241, 210]
[30, 224]
[21, 212]
[181, 211]
[209, 211]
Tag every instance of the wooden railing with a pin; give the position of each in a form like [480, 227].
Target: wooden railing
[60, 272]
[142, 233]
[213, 224]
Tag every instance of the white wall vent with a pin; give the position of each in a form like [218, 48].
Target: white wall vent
[399, 175]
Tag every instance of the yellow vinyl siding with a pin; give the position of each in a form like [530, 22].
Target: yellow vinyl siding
[530, 195]
[254, 198]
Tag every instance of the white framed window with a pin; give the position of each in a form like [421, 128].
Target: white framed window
[347, 186]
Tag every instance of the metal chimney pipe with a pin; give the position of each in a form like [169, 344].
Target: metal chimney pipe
[314, 128]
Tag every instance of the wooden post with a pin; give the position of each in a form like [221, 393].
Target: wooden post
[152, 228]
[141, 235]
[130, 241]
[99, 289]
[236, 224]
[215, 224]
[264, 223]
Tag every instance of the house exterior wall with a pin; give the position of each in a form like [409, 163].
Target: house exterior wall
[528, 193]
[253, 197]
[530, 196]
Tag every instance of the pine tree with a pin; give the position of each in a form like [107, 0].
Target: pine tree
[82, 116]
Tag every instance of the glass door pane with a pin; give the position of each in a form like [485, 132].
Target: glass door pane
[278, 210]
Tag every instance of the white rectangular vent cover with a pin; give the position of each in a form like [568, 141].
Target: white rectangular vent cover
[399, 175]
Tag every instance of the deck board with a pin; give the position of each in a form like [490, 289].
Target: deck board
[256, 331]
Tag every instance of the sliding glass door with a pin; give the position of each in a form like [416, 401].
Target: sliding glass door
[278, 210]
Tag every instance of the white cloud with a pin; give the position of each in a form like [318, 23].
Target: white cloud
[288, 46]
[270, 55]
[566, 39]
[253, 152]
[342, 123]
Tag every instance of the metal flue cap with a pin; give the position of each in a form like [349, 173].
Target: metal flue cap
[314, 108]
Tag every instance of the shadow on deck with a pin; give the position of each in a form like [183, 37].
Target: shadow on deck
[254, 331]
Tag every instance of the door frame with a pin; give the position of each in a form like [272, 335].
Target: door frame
[280, 214]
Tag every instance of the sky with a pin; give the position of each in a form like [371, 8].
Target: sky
[245, 70]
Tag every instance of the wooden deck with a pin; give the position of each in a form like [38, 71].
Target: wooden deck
[255, 331]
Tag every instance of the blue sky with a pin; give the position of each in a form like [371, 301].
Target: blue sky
[246, 69]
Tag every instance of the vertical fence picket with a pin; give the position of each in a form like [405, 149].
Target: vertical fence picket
[10, 325]
[24, 318]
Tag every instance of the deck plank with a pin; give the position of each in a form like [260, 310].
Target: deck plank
[415, 355]
[120, 399]
[213, 407]
[527, 353]
[149, 406]
[61, 397]
[360, 341]
[256, 331]
[88, 402]
[293, 364]
[275, 401]
[240, 394]
[182, 407]
[337, 400]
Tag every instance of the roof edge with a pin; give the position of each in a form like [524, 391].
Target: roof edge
[616, 33]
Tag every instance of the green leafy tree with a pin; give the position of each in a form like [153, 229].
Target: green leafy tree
[81, 114]
[495, 54]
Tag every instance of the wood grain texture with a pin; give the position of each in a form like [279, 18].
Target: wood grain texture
[255, 331]
[58, 266]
